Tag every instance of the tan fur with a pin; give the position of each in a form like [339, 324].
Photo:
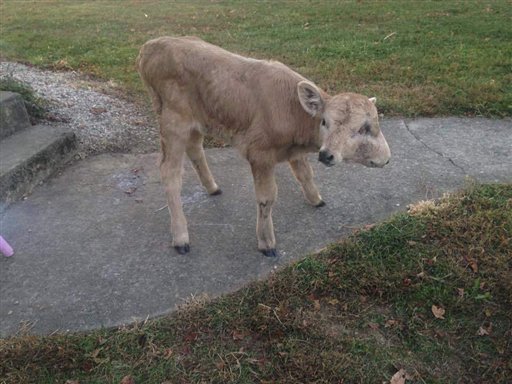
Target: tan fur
[270, 113]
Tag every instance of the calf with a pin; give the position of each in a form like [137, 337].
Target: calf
[271, 114]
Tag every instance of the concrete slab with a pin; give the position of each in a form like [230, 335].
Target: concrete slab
[480, 147]
[93, 247]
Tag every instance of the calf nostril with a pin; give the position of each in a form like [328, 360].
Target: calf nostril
[326, 158]
[387, 162]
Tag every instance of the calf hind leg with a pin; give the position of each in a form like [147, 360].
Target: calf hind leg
[171, 171]
[304, 175]
[196, 155]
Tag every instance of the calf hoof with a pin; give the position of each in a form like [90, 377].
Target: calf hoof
[320, 204]
[217, 192]
[270, 252]
[182, 249]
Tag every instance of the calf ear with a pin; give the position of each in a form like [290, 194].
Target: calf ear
[373, 100]
[310, 98]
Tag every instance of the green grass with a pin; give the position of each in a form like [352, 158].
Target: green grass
[357, 312]
[418, 57]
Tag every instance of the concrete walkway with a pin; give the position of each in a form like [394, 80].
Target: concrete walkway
[93, 248]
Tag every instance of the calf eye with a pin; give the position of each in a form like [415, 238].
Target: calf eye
[365, 129]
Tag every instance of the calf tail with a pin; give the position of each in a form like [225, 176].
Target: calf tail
[141, 68]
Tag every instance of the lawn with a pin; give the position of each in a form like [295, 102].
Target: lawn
[429, 292]
[420, 58]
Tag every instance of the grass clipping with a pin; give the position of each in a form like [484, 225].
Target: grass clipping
[424, 297]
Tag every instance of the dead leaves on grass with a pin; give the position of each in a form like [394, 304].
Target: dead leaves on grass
[438, 312]
[485, 330]
[472, 263]
[127, 380]
[400, 377]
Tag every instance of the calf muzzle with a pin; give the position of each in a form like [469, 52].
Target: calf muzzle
[326, 158]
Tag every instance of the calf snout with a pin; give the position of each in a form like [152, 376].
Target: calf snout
[326, 158]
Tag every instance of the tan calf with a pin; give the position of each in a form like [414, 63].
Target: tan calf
[270, 113]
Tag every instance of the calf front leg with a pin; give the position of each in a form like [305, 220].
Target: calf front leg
[171, 171]
[266, 194]
[304, 175]
[196, 155]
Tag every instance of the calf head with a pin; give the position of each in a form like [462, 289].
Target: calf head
[349, 126]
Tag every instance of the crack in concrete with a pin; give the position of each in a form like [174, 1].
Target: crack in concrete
[433, 150]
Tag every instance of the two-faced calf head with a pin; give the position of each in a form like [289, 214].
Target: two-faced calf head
[349, 127]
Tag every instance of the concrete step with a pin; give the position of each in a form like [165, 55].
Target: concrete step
[31, 155]
[13, 114]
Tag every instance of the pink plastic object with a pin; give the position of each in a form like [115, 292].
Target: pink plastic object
[5, 248]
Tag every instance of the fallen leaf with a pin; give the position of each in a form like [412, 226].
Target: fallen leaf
[72, 382]
[316, 304]
[264, 308]
[237, 335]
[431, 261]
[399, 377]
[185, 351]
[168, 352]
[484, 331]
[391, 323]
[61, 64]
[461, 292]
[488, 312]
[438, 312]
[333, 301]
[127, 380]
[473, 265]
[220, 365]
[191, 336]
[373, 326]
[87, 366]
